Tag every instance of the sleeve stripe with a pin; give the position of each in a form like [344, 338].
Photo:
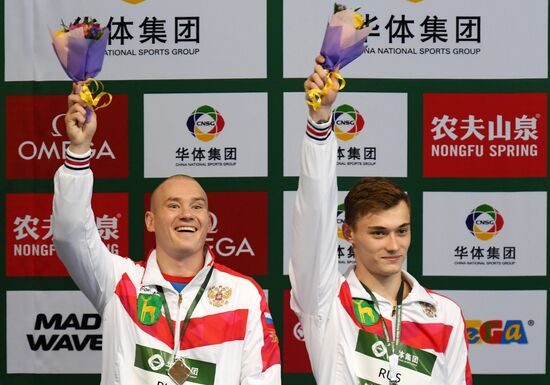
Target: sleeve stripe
[318, 133]
[77, 161]
[77, 168]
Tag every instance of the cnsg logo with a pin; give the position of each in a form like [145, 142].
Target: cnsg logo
[340, 219]
[205, 123]
[496, 332]
[348, 122]
[484, 222]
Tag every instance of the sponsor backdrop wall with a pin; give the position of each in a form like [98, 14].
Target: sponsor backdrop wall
[449, 100]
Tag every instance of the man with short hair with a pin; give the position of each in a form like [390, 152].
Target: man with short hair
[376, 324]
[177, 317]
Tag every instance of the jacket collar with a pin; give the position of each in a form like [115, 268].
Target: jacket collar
[153, 275]
[417, 293]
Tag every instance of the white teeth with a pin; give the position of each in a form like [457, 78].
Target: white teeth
[187, 229]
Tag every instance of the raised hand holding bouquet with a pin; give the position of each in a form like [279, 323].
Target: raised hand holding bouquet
[80, 48]
[343, 42]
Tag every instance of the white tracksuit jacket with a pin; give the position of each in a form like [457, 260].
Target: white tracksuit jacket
[230, 339]
[342, 338]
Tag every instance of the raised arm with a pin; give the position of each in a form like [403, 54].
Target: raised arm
[76, 238]
[79, 131]
[313, 262]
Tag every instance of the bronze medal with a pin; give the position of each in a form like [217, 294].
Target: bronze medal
[179, 371]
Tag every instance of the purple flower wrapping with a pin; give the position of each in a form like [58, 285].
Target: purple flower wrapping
[335, 55]
[344, 39]
[81, 58]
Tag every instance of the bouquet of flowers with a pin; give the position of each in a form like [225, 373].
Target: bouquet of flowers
[80, 48]
[344, 40]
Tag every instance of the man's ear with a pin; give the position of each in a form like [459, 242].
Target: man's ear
[150, 221]
[348, 232]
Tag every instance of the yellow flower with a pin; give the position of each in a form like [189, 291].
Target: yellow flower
[358, 21]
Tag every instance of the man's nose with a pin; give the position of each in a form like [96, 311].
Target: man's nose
[185, 213]
[392, 243]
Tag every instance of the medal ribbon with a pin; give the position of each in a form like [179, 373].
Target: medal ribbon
[88, 88]
[391, 344]
[191, 308]
[315, 96]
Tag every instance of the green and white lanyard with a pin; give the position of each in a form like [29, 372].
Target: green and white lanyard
[179, 371]
[393, 357]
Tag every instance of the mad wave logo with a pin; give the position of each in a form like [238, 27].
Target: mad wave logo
[484, 222]
[205, 123]
[340, 217]
[133, 1]
[497, 332]
[348, 122]
[69, 341]
[415, 1]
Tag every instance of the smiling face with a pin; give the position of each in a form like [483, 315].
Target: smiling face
[380, 241]
[179, 218]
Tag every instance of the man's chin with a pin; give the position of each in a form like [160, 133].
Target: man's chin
[185, 252]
